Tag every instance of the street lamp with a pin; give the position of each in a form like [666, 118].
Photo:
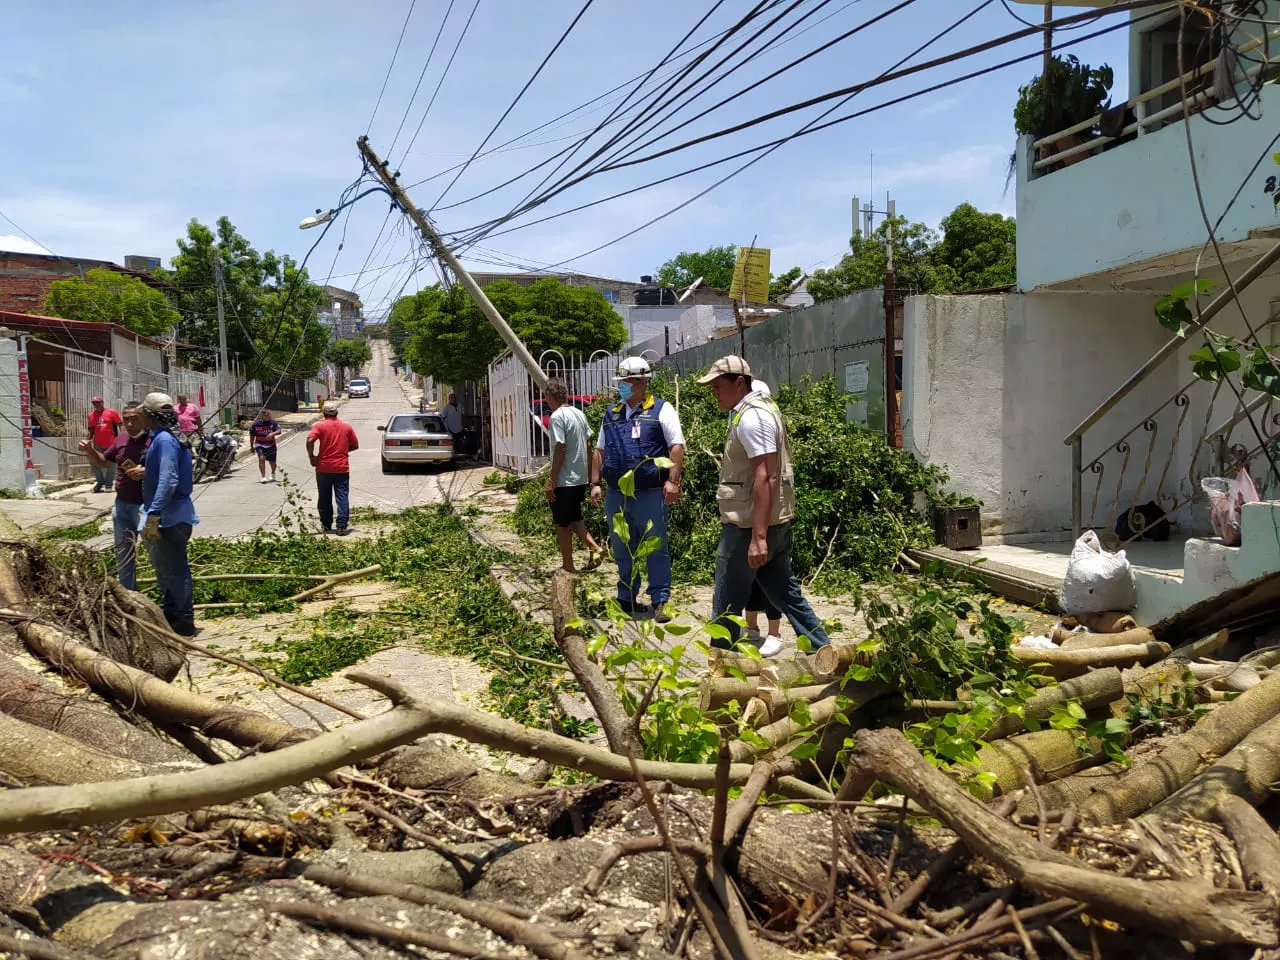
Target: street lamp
[324, 216]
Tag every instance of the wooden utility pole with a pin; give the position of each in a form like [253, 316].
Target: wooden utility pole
[891, 430]
[379, 167]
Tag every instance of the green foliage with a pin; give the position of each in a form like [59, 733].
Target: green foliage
[349, 355]
[340, 638]
[1167, 708]
[781, 285]
[855, 494]
[105, 296]
[976, 250]
[714, 265]
[83, 531]
[449, 338]
[1172, 311]
[270, 304]
[1075, 92]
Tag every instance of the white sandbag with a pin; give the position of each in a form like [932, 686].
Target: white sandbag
[1096, 581]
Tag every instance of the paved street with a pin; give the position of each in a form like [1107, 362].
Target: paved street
[238, 504]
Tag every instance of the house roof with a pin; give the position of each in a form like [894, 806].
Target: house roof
[76, 330]
[48, 263]
[12, 244]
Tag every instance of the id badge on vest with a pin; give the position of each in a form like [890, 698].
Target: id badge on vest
[635, 429]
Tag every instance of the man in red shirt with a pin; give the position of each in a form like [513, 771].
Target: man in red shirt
[104, 426]
[336, 440]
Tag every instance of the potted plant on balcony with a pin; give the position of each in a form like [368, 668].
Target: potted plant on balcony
[1075, 92]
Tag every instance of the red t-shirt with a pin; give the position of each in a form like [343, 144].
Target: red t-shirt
[337, 439]
[104, 425]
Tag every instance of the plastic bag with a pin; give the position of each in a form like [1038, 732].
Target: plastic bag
[1226, 497]
[1096, 581]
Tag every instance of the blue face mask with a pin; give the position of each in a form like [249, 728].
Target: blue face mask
[624, 391]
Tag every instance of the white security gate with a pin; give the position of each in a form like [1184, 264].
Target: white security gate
[509, 395]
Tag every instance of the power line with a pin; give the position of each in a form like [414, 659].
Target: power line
[564, 36]
[390, 66]
[426, 64]
[439, 83]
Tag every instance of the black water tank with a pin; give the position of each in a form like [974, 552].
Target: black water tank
[653, 295]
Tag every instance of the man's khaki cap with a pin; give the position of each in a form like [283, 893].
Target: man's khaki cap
[727, 367]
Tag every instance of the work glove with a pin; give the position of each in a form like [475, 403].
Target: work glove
[151, 529]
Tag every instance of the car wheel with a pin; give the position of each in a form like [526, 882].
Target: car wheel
[389, 467]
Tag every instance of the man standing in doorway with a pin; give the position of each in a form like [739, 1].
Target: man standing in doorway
[634, 434]
[453, 422]
[168, 515]
[757, 504]
[264, 431]
[104, 427]
[567, 482]
[188, 415]
[336, 440]
[126, 454]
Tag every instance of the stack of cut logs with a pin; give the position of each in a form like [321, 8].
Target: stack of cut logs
[1105, 673]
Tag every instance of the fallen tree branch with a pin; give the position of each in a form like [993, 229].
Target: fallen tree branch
[39, 949]
[1247, 771]
[1070, 663]
[331, 582]
[336, 919]
[617, 726]
[212, 577]
[1191, 911]
[45, 808]
[1255, 841]
[1095, 689]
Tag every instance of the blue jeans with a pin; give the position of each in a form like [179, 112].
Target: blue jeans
[104, 477]
[124, 522]
[645, 508]
[173, 576]
[334, 486]
[734, 579]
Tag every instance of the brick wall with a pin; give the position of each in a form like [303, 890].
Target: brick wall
[25, 279]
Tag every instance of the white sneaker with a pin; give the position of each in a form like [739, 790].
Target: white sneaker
[771, 646]
[271, 479]
[264, 480]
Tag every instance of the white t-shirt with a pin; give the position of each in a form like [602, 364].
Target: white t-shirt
[452, 418]
[760, 387]
[757, 430]
[569, 426]
[668, 419]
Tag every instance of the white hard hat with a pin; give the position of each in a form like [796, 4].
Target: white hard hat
[634, 367]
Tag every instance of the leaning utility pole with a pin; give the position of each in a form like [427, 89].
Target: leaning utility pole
[891, 426]
[419, 218]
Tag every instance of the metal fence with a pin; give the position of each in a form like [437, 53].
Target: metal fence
[518, 410]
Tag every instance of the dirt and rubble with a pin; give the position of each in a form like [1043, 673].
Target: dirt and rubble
[143, 819]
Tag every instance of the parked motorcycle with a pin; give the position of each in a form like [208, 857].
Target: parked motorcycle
[213, 454]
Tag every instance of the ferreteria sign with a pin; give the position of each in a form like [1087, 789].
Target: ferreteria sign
[751, 275]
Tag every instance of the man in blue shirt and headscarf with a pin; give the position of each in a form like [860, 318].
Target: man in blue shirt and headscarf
[168, 514]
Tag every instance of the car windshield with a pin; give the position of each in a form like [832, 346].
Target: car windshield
[416, 424]
[359, 382]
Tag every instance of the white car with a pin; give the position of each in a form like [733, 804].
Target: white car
[359, 387]
[411, 439]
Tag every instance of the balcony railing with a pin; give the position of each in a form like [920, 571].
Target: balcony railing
[1048, 156]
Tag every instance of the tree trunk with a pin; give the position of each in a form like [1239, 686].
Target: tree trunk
[35, 755]
[1045, 754]
[1150, 781]
[716, 692]
[1254, 839]
[1071, 663]
[1095, 689]
[1069, 640]
[1248, 771]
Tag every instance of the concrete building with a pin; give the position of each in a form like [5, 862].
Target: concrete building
[1065, 404]
[342, 312]
[25, 277]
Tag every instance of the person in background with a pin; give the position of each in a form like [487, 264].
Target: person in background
[104, 427]
[453, 422]
[567, 481]
[168, 516]
[635, 432]
[332, 462]
[126, 454]
[756, 497]
[264, 431]
[758, 603]
[189, 420]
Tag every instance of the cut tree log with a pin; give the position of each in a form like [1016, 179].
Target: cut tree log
[1150, 781]
[1256, 842]
[44, 808]
[1058, 795]
[618, 728]
[1069, 640]
[1093, 690]
[33, 754]
[787, 728]
[1248, 771]
[1045, 754]
[717, 692]
[1071, 663]
[1183, 909]
[788, 672]
[155, 699]
[835, 658]
[1110, 621]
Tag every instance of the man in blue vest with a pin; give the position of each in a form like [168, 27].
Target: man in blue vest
[636, 432]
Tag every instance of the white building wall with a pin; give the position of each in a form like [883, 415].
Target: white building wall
[12, 456]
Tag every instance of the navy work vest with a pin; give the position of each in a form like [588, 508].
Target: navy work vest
[623, 452]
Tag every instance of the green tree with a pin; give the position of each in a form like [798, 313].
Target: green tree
[864, 266]
[270, 303]
[105, 296]
[978, 247]
[451, 340]
[349, 355]
[781, 285]
[714, 265]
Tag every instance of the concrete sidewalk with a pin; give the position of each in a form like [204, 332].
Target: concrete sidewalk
[37, 517]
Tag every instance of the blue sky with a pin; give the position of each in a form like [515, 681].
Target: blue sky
[123, 121]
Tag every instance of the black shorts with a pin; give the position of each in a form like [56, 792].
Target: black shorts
[566, 508]
[760, 604]
[267, 452]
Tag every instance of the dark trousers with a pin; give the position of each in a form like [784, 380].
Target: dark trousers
[334, 486]
[734, 579]
[173, 576]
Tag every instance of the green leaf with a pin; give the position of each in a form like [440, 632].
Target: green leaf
[663, 463]
[1209, 363]
[1260, 373]
[806, 751]
[1191, 288]
[620, 529]
[1172, 314]
[1115, 725]
[1077, 711]
[799, 712]
[627, 484]
[716, 632]
[748, 650]
[678, 629]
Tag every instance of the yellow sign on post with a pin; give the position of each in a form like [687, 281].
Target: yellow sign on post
[751, 275]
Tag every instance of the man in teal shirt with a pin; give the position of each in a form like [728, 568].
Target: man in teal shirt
[168, 515]
[567, 481]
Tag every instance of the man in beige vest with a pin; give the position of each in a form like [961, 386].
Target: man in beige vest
[756, 497]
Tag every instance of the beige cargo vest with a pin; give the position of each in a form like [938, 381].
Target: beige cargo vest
[737, 476]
